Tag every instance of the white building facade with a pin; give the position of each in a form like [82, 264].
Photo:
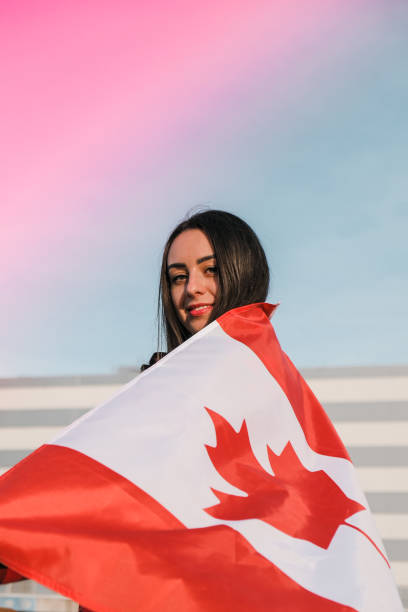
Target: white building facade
[368, 405]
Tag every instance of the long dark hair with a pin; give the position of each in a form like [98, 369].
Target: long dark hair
[243, 272]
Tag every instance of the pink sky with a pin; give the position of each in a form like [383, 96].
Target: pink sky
[89, 83]
[106, 102]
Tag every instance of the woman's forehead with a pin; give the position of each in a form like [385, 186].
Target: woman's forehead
[187, 247]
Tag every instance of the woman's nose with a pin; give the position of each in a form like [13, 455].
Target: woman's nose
[195, 284]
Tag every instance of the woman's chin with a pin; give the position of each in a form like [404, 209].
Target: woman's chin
[195, 324]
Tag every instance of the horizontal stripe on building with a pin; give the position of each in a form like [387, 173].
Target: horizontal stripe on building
[381, 456]
[55, 397]
[377, 433]
[338, 412]
[393, 527]
[376, 479]
[367, 411]
[397, 550]
[388, 503]
[400, 571]
[47, 417]
[330, 390]
[383, 479]
[351, 390]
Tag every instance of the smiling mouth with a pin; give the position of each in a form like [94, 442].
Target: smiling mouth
[199, 309]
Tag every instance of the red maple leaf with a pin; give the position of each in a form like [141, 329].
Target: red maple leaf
[303, 504]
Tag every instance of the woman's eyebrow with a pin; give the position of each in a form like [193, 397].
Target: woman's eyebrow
[182, 265]
[176, 265]
[205, 258]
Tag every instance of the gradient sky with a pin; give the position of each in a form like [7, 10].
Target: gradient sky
[119, 117]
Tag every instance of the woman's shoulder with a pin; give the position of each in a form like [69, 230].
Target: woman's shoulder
[153, 359]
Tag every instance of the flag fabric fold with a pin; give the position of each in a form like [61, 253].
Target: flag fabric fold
[214, 481]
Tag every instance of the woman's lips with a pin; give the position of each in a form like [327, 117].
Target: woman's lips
[199, 310]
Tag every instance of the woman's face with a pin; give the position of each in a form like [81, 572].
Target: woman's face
[193, 278]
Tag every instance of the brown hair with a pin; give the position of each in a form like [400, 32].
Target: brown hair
[243, 271]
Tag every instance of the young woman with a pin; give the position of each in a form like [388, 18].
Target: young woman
[212, 262]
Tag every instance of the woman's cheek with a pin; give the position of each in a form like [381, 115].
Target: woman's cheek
[177, 297]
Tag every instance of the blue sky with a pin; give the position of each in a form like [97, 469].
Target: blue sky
[320, 173]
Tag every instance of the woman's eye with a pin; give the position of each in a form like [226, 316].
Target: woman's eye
[179, 278]
[212, 270]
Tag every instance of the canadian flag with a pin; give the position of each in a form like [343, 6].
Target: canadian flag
[214, 481]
